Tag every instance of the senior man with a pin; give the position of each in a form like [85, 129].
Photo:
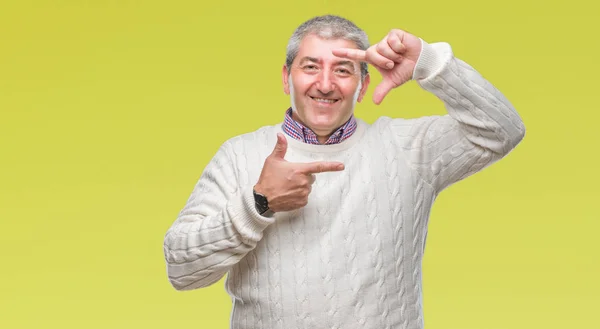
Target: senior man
[320, 221]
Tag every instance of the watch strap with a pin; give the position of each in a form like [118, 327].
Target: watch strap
[260, 203]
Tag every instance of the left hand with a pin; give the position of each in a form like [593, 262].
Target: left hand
[394, 57]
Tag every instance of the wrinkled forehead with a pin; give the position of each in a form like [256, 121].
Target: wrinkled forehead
[315, 47]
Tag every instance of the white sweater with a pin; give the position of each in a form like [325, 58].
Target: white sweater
[352, 257]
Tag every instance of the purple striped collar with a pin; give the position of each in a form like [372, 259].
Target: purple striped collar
[298, 131]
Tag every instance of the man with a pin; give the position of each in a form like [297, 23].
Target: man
[321, 221]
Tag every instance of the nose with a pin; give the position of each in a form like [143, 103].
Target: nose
[325, 82]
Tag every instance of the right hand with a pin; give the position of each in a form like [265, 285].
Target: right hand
[286, 185]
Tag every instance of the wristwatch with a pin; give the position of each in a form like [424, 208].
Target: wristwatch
[261, 204]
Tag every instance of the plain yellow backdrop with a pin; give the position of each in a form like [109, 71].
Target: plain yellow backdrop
[110, 110]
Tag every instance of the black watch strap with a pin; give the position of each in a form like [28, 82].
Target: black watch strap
[261, 203]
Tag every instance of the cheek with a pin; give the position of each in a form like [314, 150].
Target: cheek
[301, 84]
[350, 90]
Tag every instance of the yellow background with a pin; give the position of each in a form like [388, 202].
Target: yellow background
[109, 111]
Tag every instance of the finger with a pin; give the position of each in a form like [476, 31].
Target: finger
[349, 53]
[377, 59]
[382, 90]
[320, 167]
[311, 179]
[394, 42]
[386, 51]
[280, 147]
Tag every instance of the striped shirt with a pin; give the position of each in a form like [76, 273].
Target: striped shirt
[298, 131]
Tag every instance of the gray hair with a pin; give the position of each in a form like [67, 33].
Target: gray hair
[328, 27]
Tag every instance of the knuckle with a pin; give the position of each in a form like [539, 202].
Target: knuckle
[289, 179]
[371, 51]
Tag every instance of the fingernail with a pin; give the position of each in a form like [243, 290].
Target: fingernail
[390, 65]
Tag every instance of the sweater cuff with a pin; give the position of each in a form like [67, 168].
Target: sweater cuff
[248, 222]
[432, 59]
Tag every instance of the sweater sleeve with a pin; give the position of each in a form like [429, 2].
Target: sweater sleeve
[217, 227]
[480, 128]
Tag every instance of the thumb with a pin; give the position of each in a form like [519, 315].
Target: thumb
[280, 147]
[382, 90]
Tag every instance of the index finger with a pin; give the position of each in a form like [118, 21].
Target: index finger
[350, 53]
[319, 167]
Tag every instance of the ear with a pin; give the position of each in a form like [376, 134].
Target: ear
[363, 89]
[284, 76]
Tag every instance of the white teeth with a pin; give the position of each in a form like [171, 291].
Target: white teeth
[323, 100]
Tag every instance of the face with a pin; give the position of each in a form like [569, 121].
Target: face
[323, 88]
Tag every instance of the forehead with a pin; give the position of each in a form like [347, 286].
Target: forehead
[317, 47]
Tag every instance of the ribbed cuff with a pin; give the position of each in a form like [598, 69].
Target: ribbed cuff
[248, 222]
[432, 59]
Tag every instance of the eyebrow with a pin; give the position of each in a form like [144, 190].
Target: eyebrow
[316, 60]
[309, 59]
[345, 63]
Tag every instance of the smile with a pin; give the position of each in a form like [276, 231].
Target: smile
[324, 100]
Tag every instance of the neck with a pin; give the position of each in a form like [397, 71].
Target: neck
[322, 137]
[301, 146]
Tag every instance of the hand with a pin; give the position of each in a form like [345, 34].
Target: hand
[286, 185]
[394, 57]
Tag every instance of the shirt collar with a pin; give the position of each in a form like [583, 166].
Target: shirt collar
[302, 133]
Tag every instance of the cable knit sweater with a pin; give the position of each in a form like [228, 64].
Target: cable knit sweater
[352, 257]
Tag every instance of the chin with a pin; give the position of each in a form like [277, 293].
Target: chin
[322, 122]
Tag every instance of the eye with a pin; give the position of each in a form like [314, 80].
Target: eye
[310, 67]
[343, 72]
